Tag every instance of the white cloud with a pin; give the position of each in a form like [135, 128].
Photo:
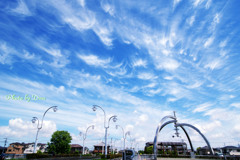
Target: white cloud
[139, 63]
[168, 78]
[42, 71]
[208, 42]
[108, 8]
[208, 4]
[146, 76]
[167, 64]
[22, 9]
[236, 129]
[202, 107]
[226, 97]
[211, 126]
[104, 33]
[214, 64]
[153, 92]
[94, 60]
[175, 3]
[19, 128]
[5, 53]
[216, 20]
[28, 55]
[84, 19]
[223, 43]
[78, 19]
[197, 2]
[54, 52]
[81, 2]
[195, 85]
[191, 20]
[143, 118]
[129, 127]
[237, 105]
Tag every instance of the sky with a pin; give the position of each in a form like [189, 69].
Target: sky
[139, 60]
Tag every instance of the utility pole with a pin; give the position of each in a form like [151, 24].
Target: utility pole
[5, 142]
[111, 146]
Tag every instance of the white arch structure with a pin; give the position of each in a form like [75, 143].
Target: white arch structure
[162, 124]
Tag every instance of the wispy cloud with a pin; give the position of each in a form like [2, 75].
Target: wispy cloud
[191, 20]
[22, 8]
[139, 63]
[202, 107]
[214, 64]
[208, 42]
[146, 76]
[94, 60]
[237, 105]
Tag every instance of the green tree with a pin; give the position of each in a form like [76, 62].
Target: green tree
[148, 150]
[60, 142]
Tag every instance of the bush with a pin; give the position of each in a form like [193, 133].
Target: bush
[111, 156]
[37, 155]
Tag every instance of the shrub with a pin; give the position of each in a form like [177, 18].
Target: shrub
[37, 155]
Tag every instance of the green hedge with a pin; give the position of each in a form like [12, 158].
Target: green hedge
[111, 156]
[36, 155]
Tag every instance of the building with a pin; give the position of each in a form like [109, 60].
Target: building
[76, 148]
[227, 150]
[15, 148]
[100, 148]
[165, 147]
[231, 150]
[29, 148]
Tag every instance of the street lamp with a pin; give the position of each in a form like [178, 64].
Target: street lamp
[85, 136]
[34, 119]
[124, 135]
[114, 118]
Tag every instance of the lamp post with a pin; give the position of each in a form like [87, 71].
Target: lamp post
[40, 127]
[106, 126]
[85, 136]
[124, 135]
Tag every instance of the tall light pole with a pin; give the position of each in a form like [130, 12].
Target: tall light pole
[124, 135]
[40, 127]
[106, 126]
[85, 136]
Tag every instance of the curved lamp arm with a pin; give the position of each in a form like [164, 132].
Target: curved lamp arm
[54, 109]
[114, 120]
[95, 108]
[127, 133]
[121, 128]
[85, 136]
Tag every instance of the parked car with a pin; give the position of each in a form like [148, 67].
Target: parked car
[130, 154]
[219, 154]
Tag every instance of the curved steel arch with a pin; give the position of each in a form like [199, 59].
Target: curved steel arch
[205, 139]
[189, 140]
[160, 127]
[156, 136]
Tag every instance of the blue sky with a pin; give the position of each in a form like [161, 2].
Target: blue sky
[138, 60]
